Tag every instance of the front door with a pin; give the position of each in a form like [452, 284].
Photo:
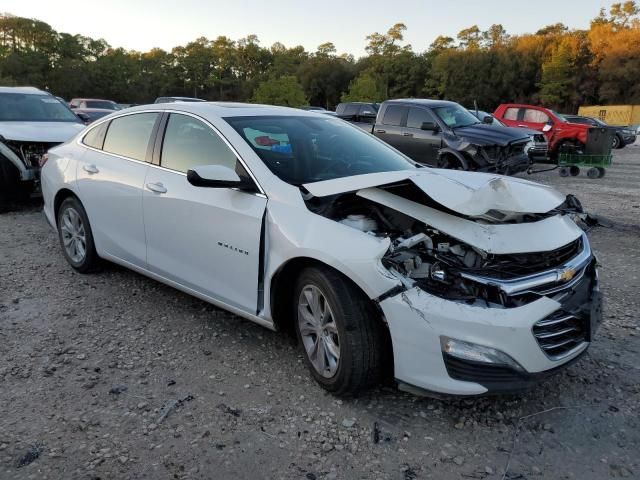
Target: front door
[206, 239]
[421, 145]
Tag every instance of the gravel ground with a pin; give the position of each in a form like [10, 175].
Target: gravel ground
[114, 375]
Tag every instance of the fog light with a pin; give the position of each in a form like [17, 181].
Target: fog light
[477, 353]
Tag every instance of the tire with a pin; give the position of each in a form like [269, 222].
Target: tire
[593, 172]
[564, 172]
[451, 162]
[353, 330]
[617, 142]
[76, 238]
[601, 172]
[574, 170]
[9, 184]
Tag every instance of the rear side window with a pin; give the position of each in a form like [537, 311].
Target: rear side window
[511, 113]
[95, 137]
[417, 116]
[188, 142]
[535, 116]
[129, 136]
[351, 109]
[393, 115]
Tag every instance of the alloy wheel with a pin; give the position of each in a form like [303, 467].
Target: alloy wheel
[74, 236]
[318, 331]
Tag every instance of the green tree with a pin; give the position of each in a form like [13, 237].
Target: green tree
[364, 88]
[285, 91]
[557, 75]
[470, 38]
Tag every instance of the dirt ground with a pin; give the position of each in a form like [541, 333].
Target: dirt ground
[113, 375]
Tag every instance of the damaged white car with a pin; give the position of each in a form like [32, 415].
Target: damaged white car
[455, 282]
[31, 122]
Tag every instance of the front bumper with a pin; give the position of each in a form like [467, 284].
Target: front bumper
[542, 336]
[508, 166]
[629, 139]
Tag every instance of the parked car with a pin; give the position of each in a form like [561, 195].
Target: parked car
[444, 134]
[460, 282]
[93, 103]
[537, 149]
[623, 135]
[360, 114]
[31, 122]
[88, 115]
[177, 99]
[311, 108]
[559, 132]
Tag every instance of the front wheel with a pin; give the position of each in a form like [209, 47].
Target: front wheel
[76, 239]
[342, 338]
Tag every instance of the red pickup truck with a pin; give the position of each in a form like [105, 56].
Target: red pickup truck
[555, 127]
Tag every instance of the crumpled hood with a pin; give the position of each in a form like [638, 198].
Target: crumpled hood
[50, 132]
[483, 134]
[468, 193]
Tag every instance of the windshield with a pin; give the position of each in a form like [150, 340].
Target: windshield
[304, 150]
[559, 116]
[23, 107]
[454, 116]
[101, 104]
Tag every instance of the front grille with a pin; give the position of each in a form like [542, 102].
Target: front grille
[567, 328]
[507, 266]
[560, 333]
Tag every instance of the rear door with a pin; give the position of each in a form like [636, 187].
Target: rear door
[205, 239]
[391, 127]
[421, 145]
[110, 177]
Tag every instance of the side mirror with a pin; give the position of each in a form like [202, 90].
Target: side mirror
[217, 176]
[84, 117]
[546, 128]
[488, 119]
[430, 126]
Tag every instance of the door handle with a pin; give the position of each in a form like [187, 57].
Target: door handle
[407, 134]
[90, 169]
[381, 131]
[156, 187]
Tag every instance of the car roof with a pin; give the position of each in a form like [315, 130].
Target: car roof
[226, 109]
[93, 100]
[427, 102]
[27, 90]
[94, 110]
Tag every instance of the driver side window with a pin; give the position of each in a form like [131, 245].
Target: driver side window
[188, 142]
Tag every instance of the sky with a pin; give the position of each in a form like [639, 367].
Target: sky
[144, 24]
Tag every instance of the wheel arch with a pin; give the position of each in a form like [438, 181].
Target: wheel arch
[282, 284]
[460, 156]
[60, 197]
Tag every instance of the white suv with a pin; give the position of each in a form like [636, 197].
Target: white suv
[458, 282]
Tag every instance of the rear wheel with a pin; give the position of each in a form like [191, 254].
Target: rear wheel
[342, 338]
[593, 172]
[574, 170]
[76, 239]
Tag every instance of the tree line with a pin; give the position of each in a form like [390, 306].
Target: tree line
[556, 66]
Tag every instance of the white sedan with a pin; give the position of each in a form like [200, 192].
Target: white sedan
[455, 282]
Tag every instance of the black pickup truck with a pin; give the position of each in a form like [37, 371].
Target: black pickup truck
[444, 134]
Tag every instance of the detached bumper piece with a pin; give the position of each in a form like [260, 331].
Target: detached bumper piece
[498, 378]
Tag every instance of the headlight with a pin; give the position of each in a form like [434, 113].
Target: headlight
[477, 353]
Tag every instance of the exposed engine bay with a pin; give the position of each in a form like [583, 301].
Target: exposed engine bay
[424, 256]
[30, 152]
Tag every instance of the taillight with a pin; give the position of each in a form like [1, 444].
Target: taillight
[43, 159]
